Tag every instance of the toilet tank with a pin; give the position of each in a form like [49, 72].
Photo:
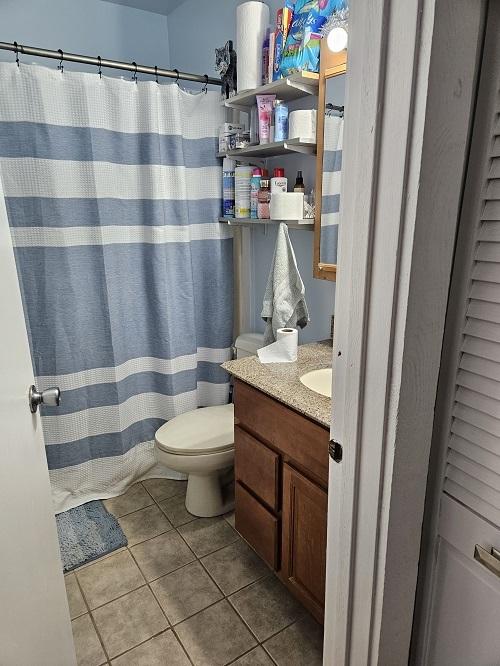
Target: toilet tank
[247, 344]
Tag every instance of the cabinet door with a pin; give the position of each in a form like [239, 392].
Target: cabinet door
[304, 539]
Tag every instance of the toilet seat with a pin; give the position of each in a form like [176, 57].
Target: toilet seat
[200, 432]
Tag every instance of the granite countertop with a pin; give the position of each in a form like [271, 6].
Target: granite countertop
[281, 380]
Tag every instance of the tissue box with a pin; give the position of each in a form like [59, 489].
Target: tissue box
[287, 206]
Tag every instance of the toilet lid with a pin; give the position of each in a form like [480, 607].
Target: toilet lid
[205, 430]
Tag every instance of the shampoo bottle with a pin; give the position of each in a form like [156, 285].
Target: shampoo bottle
[254, 193]
[278, 182]
[280, 121]
[228, 166]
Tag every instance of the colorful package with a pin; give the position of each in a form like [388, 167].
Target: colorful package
[283, 21]
[304, 39]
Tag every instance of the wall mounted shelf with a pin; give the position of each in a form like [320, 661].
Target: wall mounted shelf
[295, 86]
[305, 146]
[306, 225]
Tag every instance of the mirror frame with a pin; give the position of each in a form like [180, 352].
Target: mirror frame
[331, 64]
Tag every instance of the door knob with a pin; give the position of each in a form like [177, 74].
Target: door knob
[50, 397]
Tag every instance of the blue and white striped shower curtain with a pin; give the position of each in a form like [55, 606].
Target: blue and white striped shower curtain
[332, 175]
[113, 193]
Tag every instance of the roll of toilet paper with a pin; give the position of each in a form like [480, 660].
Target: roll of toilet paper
[284, 350]
[302, 124]
[252, 20]
[287, 206]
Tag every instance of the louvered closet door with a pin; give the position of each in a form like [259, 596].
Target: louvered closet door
[465, 619]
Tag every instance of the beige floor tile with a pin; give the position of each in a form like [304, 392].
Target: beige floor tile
[301, 644]
[110, 578]
[185, 592]
[144, 524]
[208, 534]
[161, 555]
[216, 636]
[230, 518]
[163, 650]
[267, 607]
[76, 602]
[88, 647]
[235, 566]
[129, 620]
[161, 489]
[175, 510]
[257, 657]
[134, 499]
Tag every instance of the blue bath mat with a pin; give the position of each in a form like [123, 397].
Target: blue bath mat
[86, 533]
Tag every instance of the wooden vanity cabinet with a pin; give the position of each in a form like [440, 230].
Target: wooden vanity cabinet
[281, 472]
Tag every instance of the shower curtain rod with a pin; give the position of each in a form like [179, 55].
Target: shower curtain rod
[103, 62]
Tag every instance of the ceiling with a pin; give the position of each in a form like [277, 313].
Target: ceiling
[157, 6]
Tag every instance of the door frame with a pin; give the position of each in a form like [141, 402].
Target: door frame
[411, 87]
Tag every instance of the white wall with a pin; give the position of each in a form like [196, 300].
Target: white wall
[89, 27]
[211, 24]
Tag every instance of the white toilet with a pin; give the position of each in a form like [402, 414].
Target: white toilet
[200, 444]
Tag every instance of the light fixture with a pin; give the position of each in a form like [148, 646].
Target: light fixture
[337, 39]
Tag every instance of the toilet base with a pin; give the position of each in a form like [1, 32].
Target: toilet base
[204, 496]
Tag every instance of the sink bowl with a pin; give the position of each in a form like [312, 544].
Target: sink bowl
[319, 381]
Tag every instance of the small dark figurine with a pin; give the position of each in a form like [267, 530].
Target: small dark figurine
[225, 64]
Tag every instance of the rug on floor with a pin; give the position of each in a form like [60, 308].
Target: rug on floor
[86, 533]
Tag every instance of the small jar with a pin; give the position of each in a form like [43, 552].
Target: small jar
[242, 140]
[264, 200]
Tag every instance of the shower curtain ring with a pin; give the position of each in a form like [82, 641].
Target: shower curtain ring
[16, 49]
[156, 74]
[134, 75]
[99, 71]
[60, 66]
[205, 87]
[178, 74]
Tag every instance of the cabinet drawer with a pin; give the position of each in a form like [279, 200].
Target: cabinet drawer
[257, 525]
[295, 436]
[256, 466]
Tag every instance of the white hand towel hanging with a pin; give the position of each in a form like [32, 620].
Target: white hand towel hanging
[284, 303]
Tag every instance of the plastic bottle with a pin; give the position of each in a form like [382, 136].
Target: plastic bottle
[280, 120]
[278, 182]
[299, 183]
[228, 167]
[265, 58]
[254, 192]
[264, 200]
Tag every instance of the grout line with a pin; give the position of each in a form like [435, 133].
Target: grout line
[92, 618]
[158, 633]
[119, 597]
[182, 646]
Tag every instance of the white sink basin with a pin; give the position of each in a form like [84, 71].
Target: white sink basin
[319, 381]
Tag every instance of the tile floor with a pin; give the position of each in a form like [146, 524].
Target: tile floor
[186, 591]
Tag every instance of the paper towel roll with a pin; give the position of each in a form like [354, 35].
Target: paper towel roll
[252, 20]
[287, 206]
[302, 124]
[284, 350]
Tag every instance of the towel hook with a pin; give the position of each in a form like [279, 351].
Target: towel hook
[16, 49]
[99, 71]
[156, 73]
[205, 87]
[134, 75]
[60, 66]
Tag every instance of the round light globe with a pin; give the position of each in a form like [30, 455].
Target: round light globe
[337, 40]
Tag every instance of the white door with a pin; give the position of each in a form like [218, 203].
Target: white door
[463, 611]
[35, 628]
